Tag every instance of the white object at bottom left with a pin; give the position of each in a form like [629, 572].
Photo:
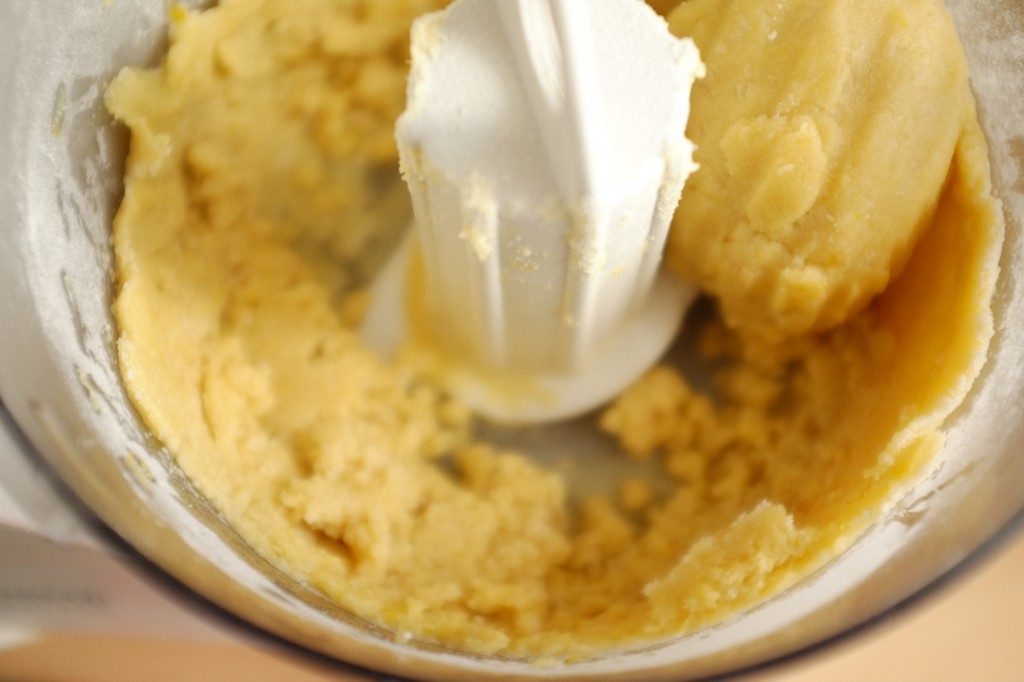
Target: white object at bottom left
[61, 571]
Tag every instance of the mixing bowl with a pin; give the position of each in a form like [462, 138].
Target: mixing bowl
[59, 188]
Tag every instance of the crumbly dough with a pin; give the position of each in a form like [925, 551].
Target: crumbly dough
[261, 168]
[816, 180]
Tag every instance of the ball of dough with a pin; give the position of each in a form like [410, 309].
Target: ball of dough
[823, 157]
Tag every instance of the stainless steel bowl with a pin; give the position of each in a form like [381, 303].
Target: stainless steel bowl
[59, 188]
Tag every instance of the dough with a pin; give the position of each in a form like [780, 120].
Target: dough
[816, 176]
[262, 171]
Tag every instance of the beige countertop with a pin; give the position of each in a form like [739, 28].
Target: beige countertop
[971, 629]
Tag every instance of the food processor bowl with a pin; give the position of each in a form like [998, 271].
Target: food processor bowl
[60, 185]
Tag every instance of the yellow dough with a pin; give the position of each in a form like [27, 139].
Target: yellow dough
[817, 176]
[261, 173]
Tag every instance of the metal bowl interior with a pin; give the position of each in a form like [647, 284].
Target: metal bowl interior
[59, 189]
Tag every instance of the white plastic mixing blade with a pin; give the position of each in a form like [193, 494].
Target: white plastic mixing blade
[544, 148]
